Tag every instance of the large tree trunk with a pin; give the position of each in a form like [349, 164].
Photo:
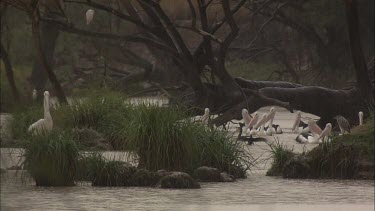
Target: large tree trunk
[43, 59]
[363, 80]
[48, 37]
[9, 72]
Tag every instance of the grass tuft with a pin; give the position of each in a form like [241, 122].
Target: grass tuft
[280, 154]
[51, 158]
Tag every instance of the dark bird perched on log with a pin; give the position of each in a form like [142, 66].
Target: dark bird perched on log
[343, 124]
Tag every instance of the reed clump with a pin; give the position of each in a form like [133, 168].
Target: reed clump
[165, 138]
[51, 158]
[280, 154]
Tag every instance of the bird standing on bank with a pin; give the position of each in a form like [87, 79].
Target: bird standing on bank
[246, 117]
[206, 116]
[343, 124]
[360, 115]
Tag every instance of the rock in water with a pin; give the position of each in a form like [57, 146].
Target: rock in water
[207, 174]
[297, 167]
[143, 177]
[178, 180]
[115, 173]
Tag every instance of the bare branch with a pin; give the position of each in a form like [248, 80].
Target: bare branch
[193, 15]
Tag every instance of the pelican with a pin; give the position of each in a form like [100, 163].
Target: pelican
[326, 132]
[45, 124]
[34, 95]
[246, 117]
[89, 16]
[314, 128]
[253, 122]
[261, 124]
[299, 126]
[271, 116]
[305, 138]
[360, 115]
[206, 116]
[316, 135]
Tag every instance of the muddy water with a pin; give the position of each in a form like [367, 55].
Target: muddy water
[257, 192]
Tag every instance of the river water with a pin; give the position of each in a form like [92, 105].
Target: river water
[257, 192]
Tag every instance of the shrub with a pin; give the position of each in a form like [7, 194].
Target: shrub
[51, 158]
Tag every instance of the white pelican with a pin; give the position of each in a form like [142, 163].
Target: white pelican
[261, 124]
[360, 115]
[89, 16]
[317, 134]
[206, 116]
[253, 122]
[326, 132]
[34, 95]
[304, 138]
[246, 117]
[314, 128]
[45, 124]
[271, 116]
[299, 126]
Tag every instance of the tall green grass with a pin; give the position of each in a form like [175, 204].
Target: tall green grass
[164, 139]
[280, 154]
[51, 158]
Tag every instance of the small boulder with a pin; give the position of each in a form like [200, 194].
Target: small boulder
[297, 168]
[225, 177]
[178, 180]
[114, 173]
[207, 174]
[143, 177]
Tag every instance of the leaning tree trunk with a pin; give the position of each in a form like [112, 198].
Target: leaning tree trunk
[363, 80]
[9, 72]
[48, 36]
[43, 59]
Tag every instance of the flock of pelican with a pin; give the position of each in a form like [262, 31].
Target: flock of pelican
[309, 133]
